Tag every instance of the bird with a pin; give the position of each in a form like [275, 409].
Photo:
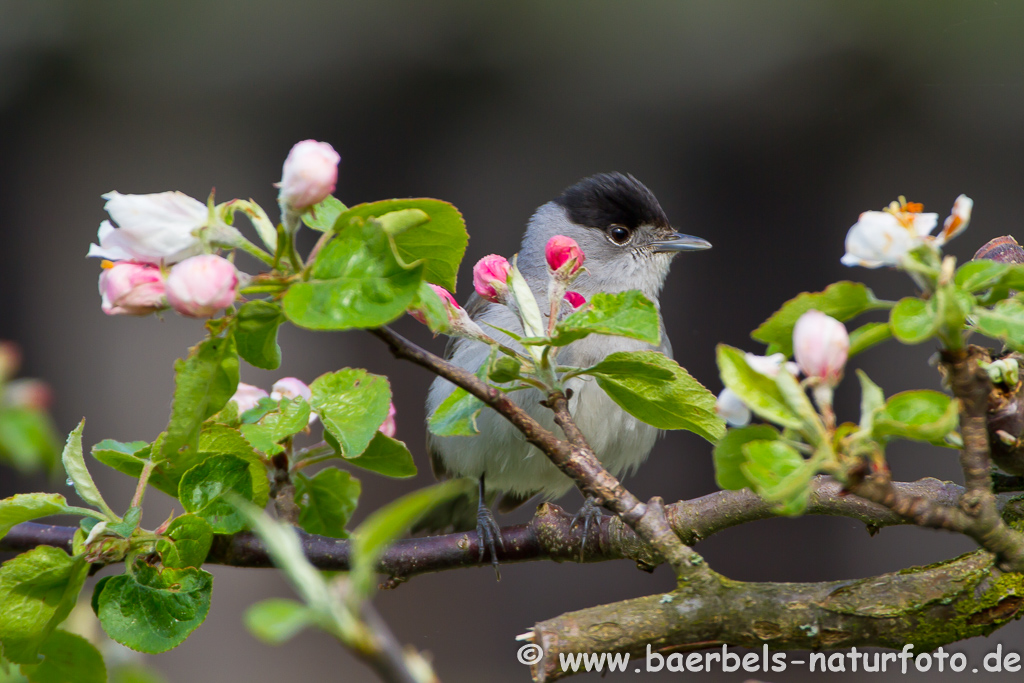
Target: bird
[629, 244]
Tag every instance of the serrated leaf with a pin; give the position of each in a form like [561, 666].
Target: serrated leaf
[624, 314]
[679, 402]
[352, 405]
[386, 456]
[322, 216]
[355, 282]
[381, 528]
[266, 435]
[28, 440]
[841, 300]
[277, 620]
[868, 335]
[922, 415]
[1005, 322]
[186, 543]
[153, 610]
[207, 489]
[38, 590]
[256, 334]
[326, 501]
[759, 392]
[914, 320]
[23, 507]
[74, 465]
[456, 415]
[729, 456]
[203, 383]
[67, 658]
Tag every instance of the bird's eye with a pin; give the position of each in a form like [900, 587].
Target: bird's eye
[619, 234]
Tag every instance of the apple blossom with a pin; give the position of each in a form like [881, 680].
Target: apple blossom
[731, 408]
[821, 345]
[290, 387]
[309, 175]
[958, 220]
[561, 250]
[389, 428]
[769, 366]
[202, 286]
[575, 299]
[151, 228]
[246, 396]
[883, 238]
[130, 288]
[490, 277]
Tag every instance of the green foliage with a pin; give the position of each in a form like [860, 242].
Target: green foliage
[266, 435]
[778, 473]
[153, 610]
[203, 383]
[256, 334]
[504, 369]
[386, 456]
[914, 320]
[323, 215]
[872, 399]
[759, 392]
[78, 473]
[457, 414]
[729, 455]
[1005, 322]
[27, 439]
[917, 415]
[24, 507]
[842, 300]
[207, 489]
[277, 620]
[625, 314]
[654, 388]
[352, 405]
[186, 543]
[38, 590]
[67, 658]
[127, 526]
[326, 501]
[868, 335]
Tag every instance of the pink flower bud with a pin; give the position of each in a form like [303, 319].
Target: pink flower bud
[310, 173]
[33, 394]
[561, 250]
[246, 396]
[130, 288]
[451, 306]
[389, 427]
[291, 388]
[10, 360]
[820, 346]
[575, 299]
[490, 277]
[202, 286]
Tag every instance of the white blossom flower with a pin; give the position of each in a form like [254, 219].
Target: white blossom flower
[731, 408]
[769, 366]
[151, 228]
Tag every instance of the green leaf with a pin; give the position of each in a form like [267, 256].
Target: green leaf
[206, 490]
[439, 243]
[526, 302]
[729, 454]
[397, 222]
[28, 506]
[872, 399]
[352, 405]
[74, 465]
[457, 414]
[186, 543]
[778, 473]
[277, 620]
[127, 526]
[27, 439]
[386, 456]
[841, 300]
[38, 590]
[917, 415]
[914, 320]
[67, 658]
[355, 282]
[429, 304]
[679, 402]
[277, 426]
[326, 502]
[1005, 322]
[203, 383]
[975, 276]
[256, 334]
[322, 216]
[625, 314]
[868, 335]
[759, 392]
[153, 610]
[381, 528]
[796, 397]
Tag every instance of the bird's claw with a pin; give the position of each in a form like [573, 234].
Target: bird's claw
[488, 532]
[588, 514]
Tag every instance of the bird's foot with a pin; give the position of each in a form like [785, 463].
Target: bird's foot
[589, 514]
[489, 536]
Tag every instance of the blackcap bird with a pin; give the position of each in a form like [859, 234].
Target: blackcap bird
[629, 244]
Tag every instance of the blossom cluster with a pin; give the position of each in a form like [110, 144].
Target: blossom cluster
[885, 238]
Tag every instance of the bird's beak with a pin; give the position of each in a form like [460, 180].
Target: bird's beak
[680, 242]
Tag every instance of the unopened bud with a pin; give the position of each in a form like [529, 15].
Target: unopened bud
[246, 396]
[130, 288]
[490, 277]
[389, 427]
[575, 299]
[309, 175]
[33, 394]
[290, 388]
[821, 345]
[202, 286]
[563, 251]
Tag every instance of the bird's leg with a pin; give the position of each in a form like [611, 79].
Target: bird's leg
[589, 513]
[487, 531]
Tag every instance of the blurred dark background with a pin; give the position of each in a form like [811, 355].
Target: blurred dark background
[763, 127]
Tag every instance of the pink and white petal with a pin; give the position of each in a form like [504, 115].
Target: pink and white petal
[924, 223]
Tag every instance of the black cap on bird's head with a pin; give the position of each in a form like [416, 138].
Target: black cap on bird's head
[620, 206]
